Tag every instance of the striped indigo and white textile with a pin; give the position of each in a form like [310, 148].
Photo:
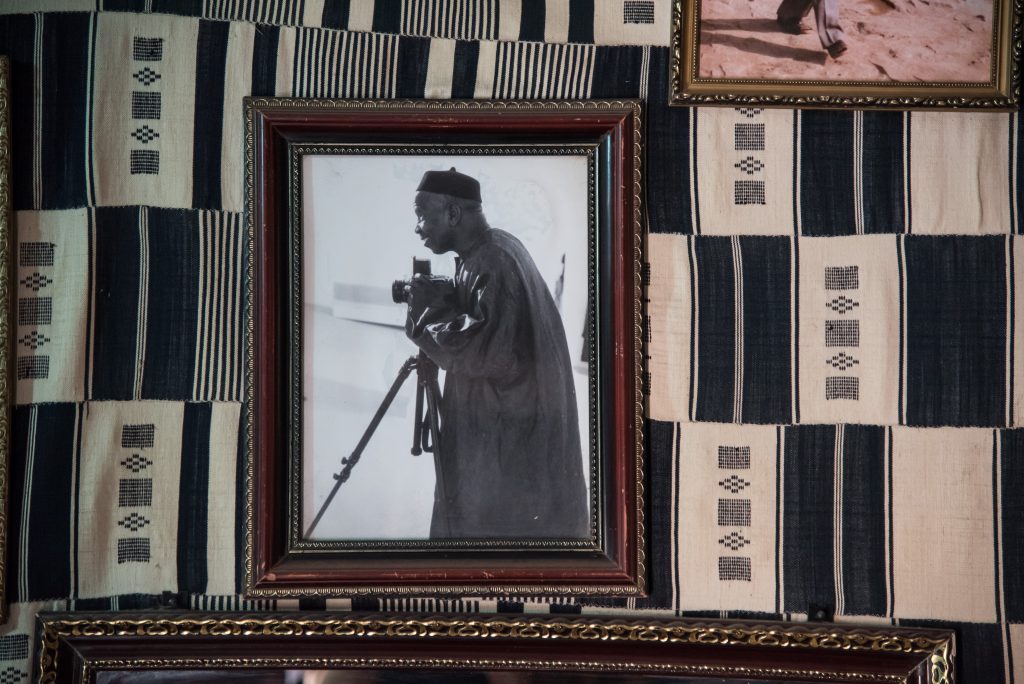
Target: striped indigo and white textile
[835, 374]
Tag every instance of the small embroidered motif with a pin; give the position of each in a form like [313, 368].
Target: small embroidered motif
[147, 49]
[734, 512]
[748, 192]
[734, 484]
[34, 340]
[33, 367]
[14, 647]
[35, 310]
[136, 463]
[35, 254]
[842, 304]
[145, 105]
[146, 76]
[145, 161]
[749, 165]
[750, 112]
[842, 333]
[733, 568]
[134, 522]
[748, 136]
[144, 134]
[638, 12]
[135, 491]
[734, 457]
[133, 550]
[734, 541]
[841, 387]
[139, 436]
[842, 361]
[36, 281]
[842, 277]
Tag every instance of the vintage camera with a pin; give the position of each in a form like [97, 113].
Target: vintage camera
[398, 293]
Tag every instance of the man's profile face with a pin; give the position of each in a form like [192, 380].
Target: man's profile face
[433, 225]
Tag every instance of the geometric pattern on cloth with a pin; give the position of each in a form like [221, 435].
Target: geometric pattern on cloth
[843, 304]
[147, 49]
[734, 512]
[734, 541]
[145, 105]
[842, 361]
[135, 492]
[133, 550]
[839, 333]
[841, 387]
[638, 11]
[749, 136]
[734, 457]
[749, 165]
[33, 367]
[145, 134]
[141, 436]
[731, 568]
[734, 484]
[842, 277]
[35, 310]
[136, 463]
[12, 675]
[145, 161]
[35, 254]
[134, 522]
[748, 192]
[146, 76]
[13, 646]
[36, 281]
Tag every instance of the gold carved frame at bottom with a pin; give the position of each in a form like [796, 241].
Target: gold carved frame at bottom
[74, 647]
[1000, 93]
[7, 240]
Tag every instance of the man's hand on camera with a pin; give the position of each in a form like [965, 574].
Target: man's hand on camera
[429, 291]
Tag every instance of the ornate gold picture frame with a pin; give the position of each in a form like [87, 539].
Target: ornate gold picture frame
[82, 647]
[846, 53]
[7, 240]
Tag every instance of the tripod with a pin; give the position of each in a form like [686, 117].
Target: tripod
[426, 423]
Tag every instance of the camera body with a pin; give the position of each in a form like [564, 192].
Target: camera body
[398, 287]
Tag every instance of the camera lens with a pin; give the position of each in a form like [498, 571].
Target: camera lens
[398, 291]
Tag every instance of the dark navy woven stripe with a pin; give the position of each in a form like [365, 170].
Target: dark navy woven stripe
[767, 396]
[864, 570]
[64, 140]
[387, 17]
[581, 21]
[531, 22]
[883, 172]
[335, 14]
[413, 56]
[207, 148]
[173, 299]
[50, 514]
[667, 163]
[826, 172]
[956, 331]
[467, 58]
[16, 41]
[116, 298]
[1012, 495]
[264, 60]
[660, 457]
[193, 498]
[716, 334]
[617, 71]
[807, 524]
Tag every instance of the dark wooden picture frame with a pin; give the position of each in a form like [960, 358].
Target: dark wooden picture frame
[279, 561]
[1000, 92]
[75, 647]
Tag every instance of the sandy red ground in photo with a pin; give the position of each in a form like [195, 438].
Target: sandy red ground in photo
[888, 40]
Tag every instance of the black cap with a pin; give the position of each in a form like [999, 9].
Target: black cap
[452, 183]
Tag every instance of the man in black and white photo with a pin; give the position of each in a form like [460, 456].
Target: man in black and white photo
[510, 462]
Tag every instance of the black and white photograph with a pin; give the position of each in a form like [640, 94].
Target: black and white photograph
[446, 346]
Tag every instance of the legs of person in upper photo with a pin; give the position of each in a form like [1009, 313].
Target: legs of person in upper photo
[790, 16]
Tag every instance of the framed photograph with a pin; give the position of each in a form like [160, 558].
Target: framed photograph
[443, 352]
[896, 54]
[7, 241]
[325, 648]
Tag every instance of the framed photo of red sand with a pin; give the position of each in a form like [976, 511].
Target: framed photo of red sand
[895, 54]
